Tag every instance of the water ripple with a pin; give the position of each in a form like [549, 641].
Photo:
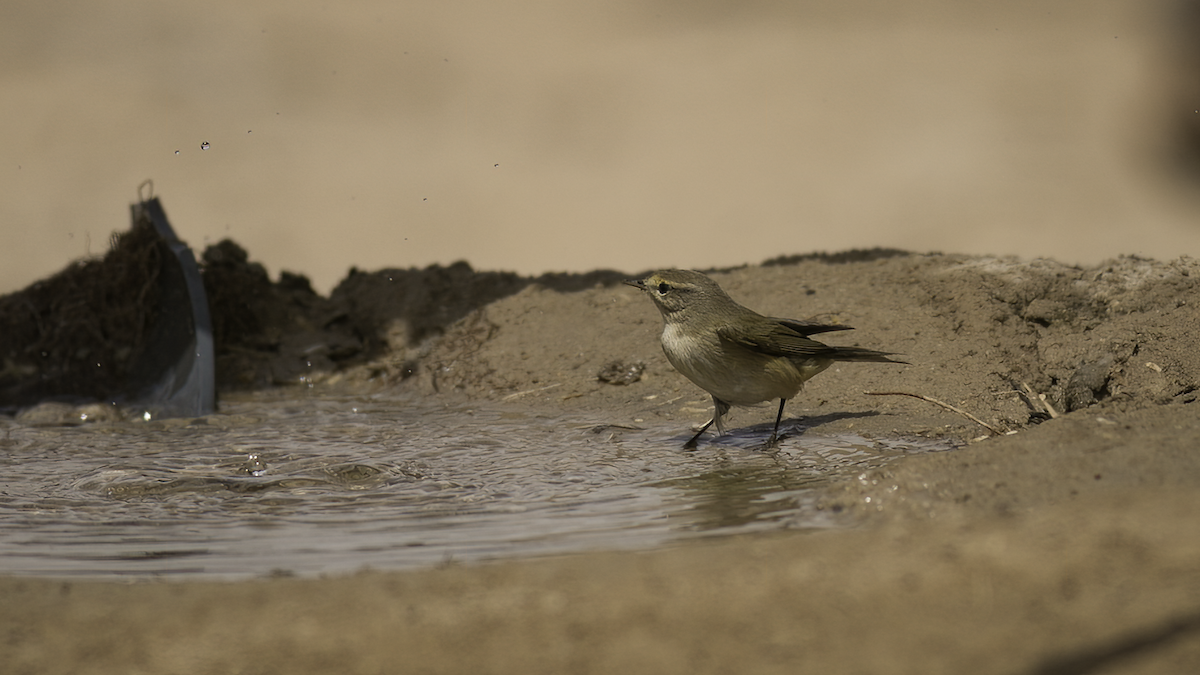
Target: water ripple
[327, 485]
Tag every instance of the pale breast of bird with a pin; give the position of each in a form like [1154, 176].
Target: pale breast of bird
[732, 372]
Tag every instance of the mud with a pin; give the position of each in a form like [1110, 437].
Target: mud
[1063, 544]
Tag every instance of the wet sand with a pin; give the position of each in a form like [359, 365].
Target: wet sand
[1066, 546]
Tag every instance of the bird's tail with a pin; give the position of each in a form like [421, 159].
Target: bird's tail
[867, 355]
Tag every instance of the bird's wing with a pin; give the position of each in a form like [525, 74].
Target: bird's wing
[809, 327]
[776, 338]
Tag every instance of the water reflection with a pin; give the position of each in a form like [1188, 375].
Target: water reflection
[327, 485]
[738, 496]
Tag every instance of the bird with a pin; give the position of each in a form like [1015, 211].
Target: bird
[737, 355]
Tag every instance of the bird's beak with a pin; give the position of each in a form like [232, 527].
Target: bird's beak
[637, 283]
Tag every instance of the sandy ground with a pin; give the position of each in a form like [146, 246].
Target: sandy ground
[1065, 547]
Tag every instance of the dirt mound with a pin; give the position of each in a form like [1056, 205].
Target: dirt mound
[75, 336]
[1012, 341]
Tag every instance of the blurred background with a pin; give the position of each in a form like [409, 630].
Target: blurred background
[564, 136]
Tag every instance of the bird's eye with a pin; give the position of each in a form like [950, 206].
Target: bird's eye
[663, 288]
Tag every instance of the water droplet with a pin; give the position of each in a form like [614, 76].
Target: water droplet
[204, 145]
[254, 465]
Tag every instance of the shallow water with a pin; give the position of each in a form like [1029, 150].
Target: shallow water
[310, 485]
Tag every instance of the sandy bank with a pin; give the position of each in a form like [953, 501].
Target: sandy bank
[1066, 547]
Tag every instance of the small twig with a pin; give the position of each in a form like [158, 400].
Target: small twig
[1040, 398]
[934, 401]
[519, 394]
[671, 400]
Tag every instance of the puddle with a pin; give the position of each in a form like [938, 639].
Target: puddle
[311, 486]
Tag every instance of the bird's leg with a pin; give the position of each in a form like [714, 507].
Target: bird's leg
[719, 409]
[775, 433]
[691, 445]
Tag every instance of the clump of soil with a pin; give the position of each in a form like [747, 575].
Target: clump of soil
[397, 308]
[267, 333]
[77, 334]
[399, 314]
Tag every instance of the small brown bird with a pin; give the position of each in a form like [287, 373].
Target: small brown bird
[737, 355]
